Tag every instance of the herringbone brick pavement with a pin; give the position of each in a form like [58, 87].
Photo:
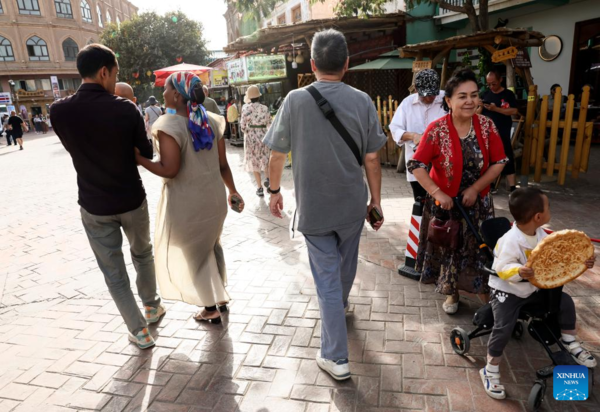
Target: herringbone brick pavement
[63, 345]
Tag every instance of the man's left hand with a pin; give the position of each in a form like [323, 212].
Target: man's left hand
[276, 205]
[377, 225]
[491, 107]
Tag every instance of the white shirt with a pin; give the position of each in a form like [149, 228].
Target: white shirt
[414, 116]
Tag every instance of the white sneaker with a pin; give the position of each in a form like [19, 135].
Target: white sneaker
[143, 339]
[153, 315]
[583, 357]
[494, 390]
[339, 370]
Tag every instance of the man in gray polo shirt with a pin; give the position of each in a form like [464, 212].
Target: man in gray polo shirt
[331, 192]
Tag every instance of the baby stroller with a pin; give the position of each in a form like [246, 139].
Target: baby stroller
[541, 320]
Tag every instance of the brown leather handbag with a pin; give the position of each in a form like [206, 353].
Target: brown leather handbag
[443, 233]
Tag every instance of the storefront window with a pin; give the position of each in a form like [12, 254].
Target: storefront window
[46, 85]
[31, 7]
[63, 9]
[30, 85]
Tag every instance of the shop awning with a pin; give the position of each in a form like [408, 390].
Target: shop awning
[386, 63]
[500, 37]
[274, 36]
[163, 74]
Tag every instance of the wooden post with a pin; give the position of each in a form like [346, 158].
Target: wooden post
[554, 131]
[391, 109]
[528, 76]
[587, 143]
[531, 105]
[564, 153]
[511, 82]
[444, 78]
[585, 100]
[379, 108]
[541, 140]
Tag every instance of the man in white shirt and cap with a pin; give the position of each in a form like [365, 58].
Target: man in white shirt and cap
[413, 116]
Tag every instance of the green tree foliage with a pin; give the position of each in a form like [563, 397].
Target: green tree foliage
[149, 42]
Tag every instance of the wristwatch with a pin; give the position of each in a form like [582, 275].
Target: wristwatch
[273, 192]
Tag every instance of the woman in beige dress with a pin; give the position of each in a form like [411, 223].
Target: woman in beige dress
[190, 265]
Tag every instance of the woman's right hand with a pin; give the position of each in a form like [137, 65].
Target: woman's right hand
[443, 200]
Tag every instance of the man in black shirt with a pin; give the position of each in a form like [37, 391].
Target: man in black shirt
[101, 132]
[17, 126]
[499, 104]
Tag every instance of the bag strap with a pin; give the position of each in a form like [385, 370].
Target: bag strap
[335, 122]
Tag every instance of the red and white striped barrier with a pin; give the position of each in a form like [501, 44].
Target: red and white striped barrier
[412, 244]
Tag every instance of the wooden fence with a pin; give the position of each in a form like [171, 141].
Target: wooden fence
[390, 153]
[542, 136]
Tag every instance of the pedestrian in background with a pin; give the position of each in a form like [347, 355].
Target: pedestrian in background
[210, 104]
[17, 127]
[44, 124]
[111, 193]
[233, 116]
[331, 193]
[500, 104]
[254, 123]
[37, 124]
[466, 155]
[153, 112]
[413, 116]
[5, 127]
[191, 212]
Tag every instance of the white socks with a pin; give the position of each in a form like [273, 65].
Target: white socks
[568, 339]
[493, 369]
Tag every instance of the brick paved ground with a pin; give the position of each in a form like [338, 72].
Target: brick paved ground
[63, 345]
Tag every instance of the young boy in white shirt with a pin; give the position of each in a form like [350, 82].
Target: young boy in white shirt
[511, 290]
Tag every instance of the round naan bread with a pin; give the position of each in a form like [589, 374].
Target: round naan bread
[560, 258]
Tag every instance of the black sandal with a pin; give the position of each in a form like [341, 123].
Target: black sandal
[199, 318]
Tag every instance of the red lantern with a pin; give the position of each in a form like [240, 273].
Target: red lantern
[179, 59]
[136, 74]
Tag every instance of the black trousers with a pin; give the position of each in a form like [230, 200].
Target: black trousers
[418, 192]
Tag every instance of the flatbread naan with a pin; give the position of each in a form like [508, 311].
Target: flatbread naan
[560, 258]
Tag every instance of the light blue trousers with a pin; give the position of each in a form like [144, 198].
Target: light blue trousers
[333, 260]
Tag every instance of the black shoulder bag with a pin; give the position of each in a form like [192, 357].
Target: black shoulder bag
[335, 122]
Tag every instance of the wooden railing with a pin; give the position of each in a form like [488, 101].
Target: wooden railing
[386, 109]
[542, 136]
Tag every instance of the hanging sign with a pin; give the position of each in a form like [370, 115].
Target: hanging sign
[55, 88]
[5, 98]
[264, 67]
[522, 60]
[236, 71]
[504, 54]
[421, 65]
[219, 78]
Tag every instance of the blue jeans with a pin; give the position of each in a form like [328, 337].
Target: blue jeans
[333, 260]
[106, 240]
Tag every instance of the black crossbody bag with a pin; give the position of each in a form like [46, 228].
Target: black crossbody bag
[335, 122]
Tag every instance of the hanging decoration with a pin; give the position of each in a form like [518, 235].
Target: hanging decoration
[179, 59]
[149, 73]
[136, 74]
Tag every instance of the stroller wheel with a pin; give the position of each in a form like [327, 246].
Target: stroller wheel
[460, 341]
[536, 396]
[518, 330]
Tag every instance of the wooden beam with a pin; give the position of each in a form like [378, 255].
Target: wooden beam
[512, 41]
[435, 61]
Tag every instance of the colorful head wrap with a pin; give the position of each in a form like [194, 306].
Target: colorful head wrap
[202, 134]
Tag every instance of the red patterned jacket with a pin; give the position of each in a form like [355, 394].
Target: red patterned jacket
[441, 146]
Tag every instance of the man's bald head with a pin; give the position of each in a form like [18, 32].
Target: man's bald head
[125, 91]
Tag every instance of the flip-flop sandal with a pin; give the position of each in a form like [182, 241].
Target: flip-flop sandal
[492, 389]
